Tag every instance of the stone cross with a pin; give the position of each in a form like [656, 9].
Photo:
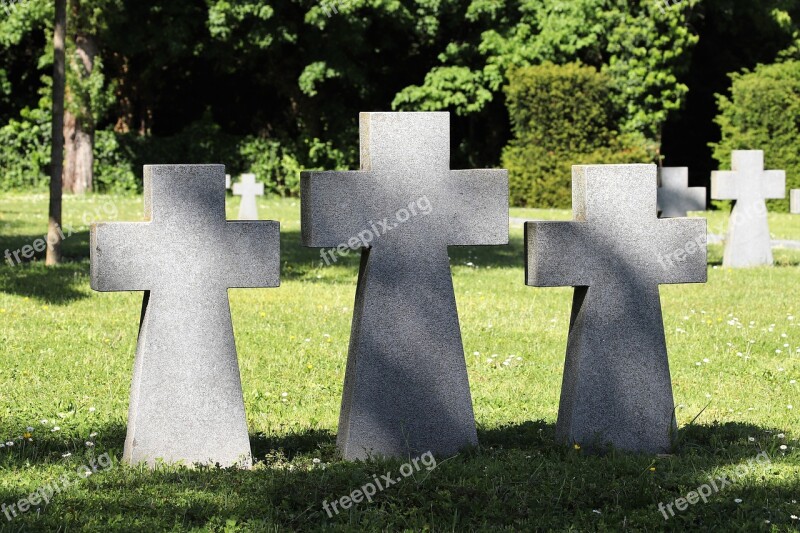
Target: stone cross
[748, 241]
[248, 189]
[794, 201]
[186, 399]
[406, 390]
[675, 197]
[227, 181]
[616, 389]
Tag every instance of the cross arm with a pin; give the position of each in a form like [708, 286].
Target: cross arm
[723, 185]
[479, 203]
[774, 184]
[334, 206]
[119, 256]
[682, 249]
[557, 254]
[252, 255]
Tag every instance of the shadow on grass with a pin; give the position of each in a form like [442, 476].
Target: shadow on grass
[518, 479]
[53, 285]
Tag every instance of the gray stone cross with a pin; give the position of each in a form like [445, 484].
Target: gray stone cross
[406, 389]
[616, 387]
[186, 399]
[748, 241]
[248, 189]
[675, 197]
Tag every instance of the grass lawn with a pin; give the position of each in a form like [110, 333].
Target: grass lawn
[67, 357]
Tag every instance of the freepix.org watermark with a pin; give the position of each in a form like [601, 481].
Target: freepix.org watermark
[369, 490]
[715, 484]
[108, 211]
[46, 492]
[420, 207]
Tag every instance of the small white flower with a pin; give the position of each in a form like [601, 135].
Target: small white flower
[783, 447]
[738, 500]
[476, 353]
[56, 428]
[784, 335]
[89, 444]
[2, 444]
[284, 394]
[751, 439]
[792, 382]
[789, 407]
[778, 351]
[10, 443]
[316, 461]
[93, 434]
[44, 422]
[30, 429]
[65, 455]
[794, 517]
[781, 436]
[91, 409]
[596, 511]
[706, 360]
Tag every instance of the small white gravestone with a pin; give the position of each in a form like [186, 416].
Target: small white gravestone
[748, 241]
[248, 189]
[675, 197]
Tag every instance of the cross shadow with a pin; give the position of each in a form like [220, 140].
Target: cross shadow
[514, 461]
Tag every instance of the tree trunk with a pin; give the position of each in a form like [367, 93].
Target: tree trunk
[57, 147]
[79, 128]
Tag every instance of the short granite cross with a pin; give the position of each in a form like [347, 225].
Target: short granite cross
[186, 399]
[748, 241]
[675, 197]
[406, 390]
[616, 389]
[248, 189]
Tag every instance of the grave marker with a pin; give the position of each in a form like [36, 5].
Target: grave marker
[748, 241]
[406, 390]
[616, 388]
[186, 398]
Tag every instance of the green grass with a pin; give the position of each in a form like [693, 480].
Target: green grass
[68, 353]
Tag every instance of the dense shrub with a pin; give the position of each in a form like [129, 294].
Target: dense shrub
[561, 115]
[25, 151]
[763, 113]
[119, 158]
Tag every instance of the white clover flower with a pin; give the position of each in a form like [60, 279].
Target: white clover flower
[65, 455]
[751, 439]
[316, 461]
[56, 428]
[10, 443]
[89, 444]
[738, 500]
[783, 447]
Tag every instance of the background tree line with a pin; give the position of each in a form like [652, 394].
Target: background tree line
[274, 87]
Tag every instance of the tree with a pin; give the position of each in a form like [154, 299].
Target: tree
[57, 148]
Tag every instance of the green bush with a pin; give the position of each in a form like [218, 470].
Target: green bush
[562, 115]
[763, 113]
[25, 151]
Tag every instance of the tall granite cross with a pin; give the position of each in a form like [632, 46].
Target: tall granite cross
[248, 189]
[186, 399]
[675, 197]
[748, 241]
[616, 388]
[794, 201]
[406, 390]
